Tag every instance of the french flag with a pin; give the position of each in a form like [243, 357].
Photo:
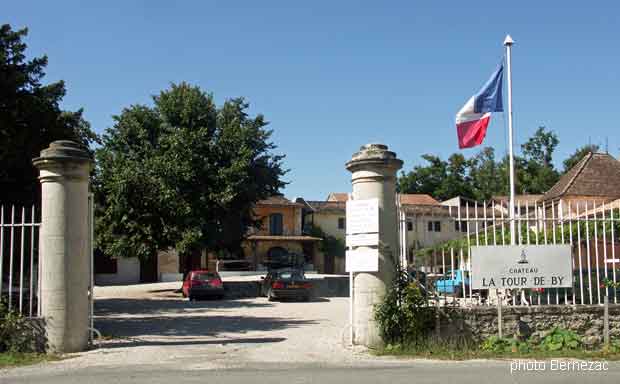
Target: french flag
[473, 119]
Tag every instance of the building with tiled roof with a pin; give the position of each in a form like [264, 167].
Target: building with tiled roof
[595, 177]
[405, 198]
[428, 221]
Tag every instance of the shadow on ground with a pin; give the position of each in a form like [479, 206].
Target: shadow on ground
[129, 306]
[135, 318]
[196, 326]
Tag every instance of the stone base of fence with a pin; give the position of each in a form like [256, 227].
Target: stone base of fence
[479, 323]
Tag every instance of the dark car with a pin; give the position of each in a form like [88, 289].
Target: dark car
[203, 283]
[286, 283]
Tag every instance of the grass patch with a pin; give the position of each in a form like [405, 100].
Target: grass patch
[9, 359]
[441, 353]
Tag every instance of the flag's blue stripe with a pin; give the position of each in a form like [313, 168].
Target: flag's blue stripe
[489, 97]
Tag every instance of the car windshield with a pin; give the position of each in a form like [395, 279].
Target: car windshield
[204, 276]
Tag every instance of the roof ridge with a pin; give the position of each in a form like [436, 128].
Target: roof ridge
[582, 164]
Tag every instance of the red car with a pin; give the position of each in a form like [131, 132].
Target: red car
[203, 283]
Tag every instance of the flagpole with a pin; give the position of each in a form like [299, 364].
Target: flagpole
[508, 42]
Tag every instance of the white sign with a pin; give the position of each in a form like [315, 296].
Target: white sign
[362, 216]
[516, 266]
[363, 239]
[362, 260]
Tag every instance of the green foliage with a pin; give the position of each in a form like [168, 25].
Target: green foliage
[504, 345]
[557, 340]
[404, 316]
[330, 245]
[30, 117]
[577, 230]
[579, 153]
[184, 173]
[560, 340]
[609, 283]
[613, 347]
[15, 336]
[482, 176]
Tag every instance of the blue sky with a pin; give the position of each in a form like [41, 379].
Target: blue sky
[333, 75]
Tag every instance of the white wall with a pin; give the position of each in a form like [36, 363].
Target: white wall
[328, 221]
[421, 237]
[128, 272]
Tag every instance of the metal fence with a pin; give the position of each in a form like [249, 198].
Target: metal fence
[591, 228]
[19, 259]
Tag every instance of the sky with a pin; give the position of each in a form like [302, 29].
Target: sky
[331, 76]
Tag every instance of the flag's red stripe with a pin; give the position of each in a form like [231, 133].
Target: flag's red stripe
[472, 133]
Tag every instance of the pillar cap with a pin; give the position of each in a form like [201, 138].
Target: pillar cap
[63, 151]
[374, 154]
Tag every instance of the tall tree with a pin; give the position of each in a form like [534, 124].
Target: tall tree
[183, 173]
[486, 175]
[424, 178]
[482, 176]
[537, 173]
[579, 153]
[30, 117]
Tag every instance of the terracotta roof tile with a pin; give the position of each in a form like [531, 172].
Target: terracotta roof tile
[338, 196]
[327, 206]
[405, 199]
[596, 175]
[521, 198]
[417, 199]
[278, 200]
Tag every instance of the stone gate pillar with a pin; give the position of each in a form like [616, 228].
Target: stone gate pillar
[373, 171]
[64, 253]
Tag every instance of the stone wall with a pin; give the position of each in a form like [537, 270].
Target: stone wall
[535, 321]
[127, 272]
[326, 286]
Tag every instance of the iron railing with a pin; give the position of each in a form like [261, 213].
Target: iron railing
[591, 228]
[19, 259]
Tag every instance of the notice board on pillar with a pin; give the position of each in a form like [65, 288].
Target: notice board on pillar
[362, 240]
[521, 266]
[362, 260]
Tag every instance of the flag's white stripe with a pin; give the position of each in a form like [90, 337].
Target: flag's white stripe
[473, 117]
[467, 112]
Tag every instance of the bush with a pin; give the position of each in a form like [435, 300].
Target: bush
[560, 340]
[557, 340]
[404, 316]
[502, 345]
[15, 335]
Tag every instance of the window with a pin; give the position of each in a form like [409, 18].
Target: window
[463, 226]
[434, 226]
[341, 223]
[409, 226]
[275, 224]
[460, 226]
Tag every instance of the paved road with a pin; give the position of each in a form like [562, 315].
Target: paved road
[410, 372]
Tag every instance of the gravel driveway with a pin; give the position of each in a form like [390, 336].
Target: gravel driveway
[155, 321]
[151, 325]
